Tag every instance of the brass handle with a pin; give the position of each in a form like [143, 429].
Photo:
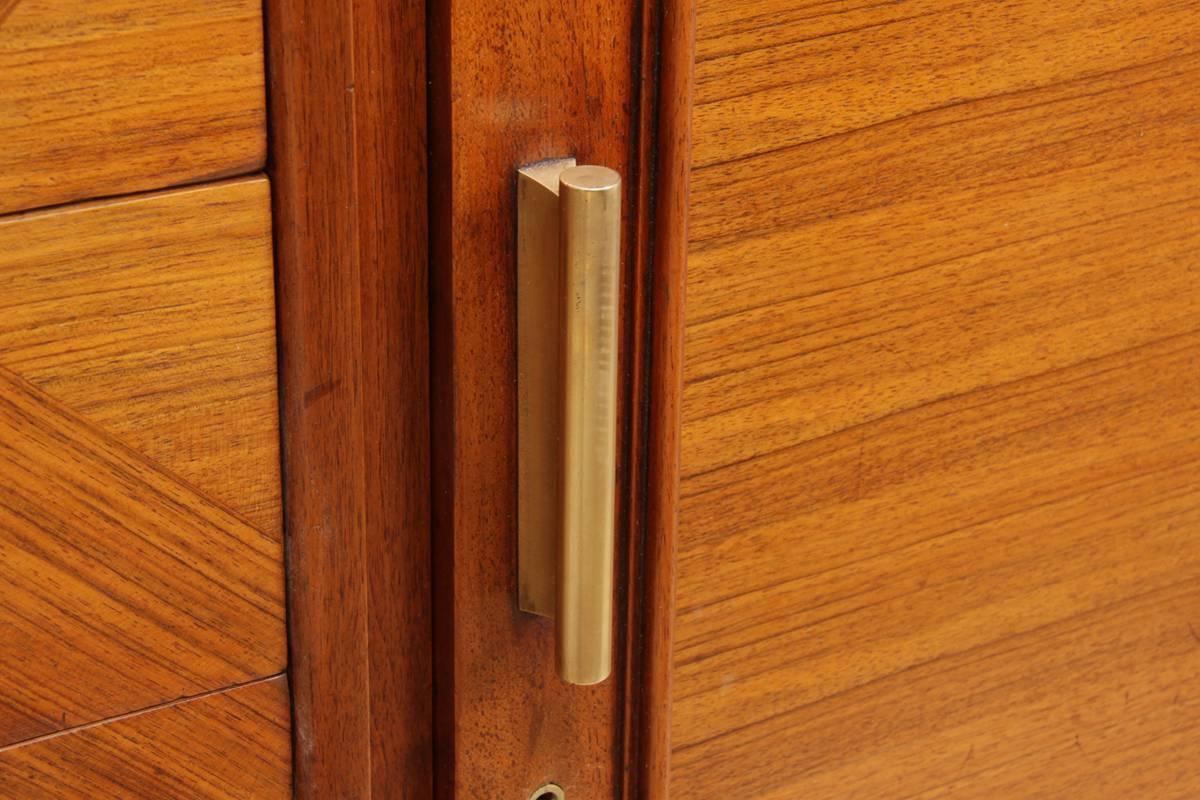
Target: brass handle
[568, 265]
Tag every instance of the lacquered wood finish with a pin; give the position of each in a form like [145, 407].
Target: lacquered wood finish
[114, 96]
[139, 505]
[349, 159]
[941, 404]
[229, 745]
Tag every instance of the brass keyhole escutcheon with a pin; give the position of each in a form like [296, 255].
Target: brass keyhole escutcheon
[551, 791]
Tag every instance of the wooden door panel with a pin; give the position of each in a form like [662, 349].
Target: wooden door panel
[939, 420]
[230, 745]
[110, 97]
[942, 552]
[142, 552]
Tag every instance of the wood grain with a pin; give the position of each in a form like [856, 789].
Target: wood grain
[116, 96]
[349, 160]
[940, 414]
[512, 84]
[138, 524]
[229, 745]
[154, 318]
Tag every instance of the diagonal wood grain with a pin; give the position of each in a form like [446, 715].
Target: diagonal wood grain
[139, 507]
[113, 96]
[941, 427]
[6, 8]
[122, 586]
[230, 745]
[154, 318]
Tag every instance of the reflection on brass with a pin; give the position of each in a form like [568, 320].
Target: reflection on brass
[568, 259]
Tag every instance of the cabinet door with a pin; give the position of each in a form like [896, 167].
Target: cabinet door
[939, 498]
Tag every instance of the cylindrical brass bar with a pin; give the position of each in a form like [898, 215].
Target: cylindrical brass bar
[590, 227]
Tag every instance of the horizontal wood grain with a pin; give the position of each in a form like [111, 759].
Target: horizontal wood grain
[940, 405]
[114, 96]
[229, 745]
[775, 74]
[138, 456]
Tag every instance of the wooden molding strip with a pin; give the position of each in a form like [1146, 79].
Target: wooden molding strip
[348, 162]
[671, 138]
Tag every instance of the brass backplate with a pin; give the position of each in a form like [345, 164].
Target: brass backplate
[539, 384]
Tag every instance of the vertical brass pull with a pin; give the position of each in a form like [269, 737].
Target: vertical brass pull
[590, 206]
[568, 265]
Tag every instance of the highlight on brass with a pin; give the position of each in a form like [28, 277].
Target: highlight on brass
[568, 265]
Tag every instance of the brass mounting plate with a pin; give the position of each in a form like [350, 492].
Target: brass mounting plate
[539, 382]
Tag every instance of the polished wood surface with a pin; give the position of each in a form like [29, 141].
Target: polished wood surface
[139, 500]
[228, 745]
[941, 403]
[115, 96]
[349, 159]
[511, 84]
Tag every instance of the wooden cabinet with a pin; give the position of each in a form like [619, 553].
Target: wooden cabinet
[906, 445]
[201, 347]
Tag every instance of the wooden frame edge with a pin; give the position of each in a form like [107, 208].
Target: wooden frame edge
[346, 115]
[672, 140]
